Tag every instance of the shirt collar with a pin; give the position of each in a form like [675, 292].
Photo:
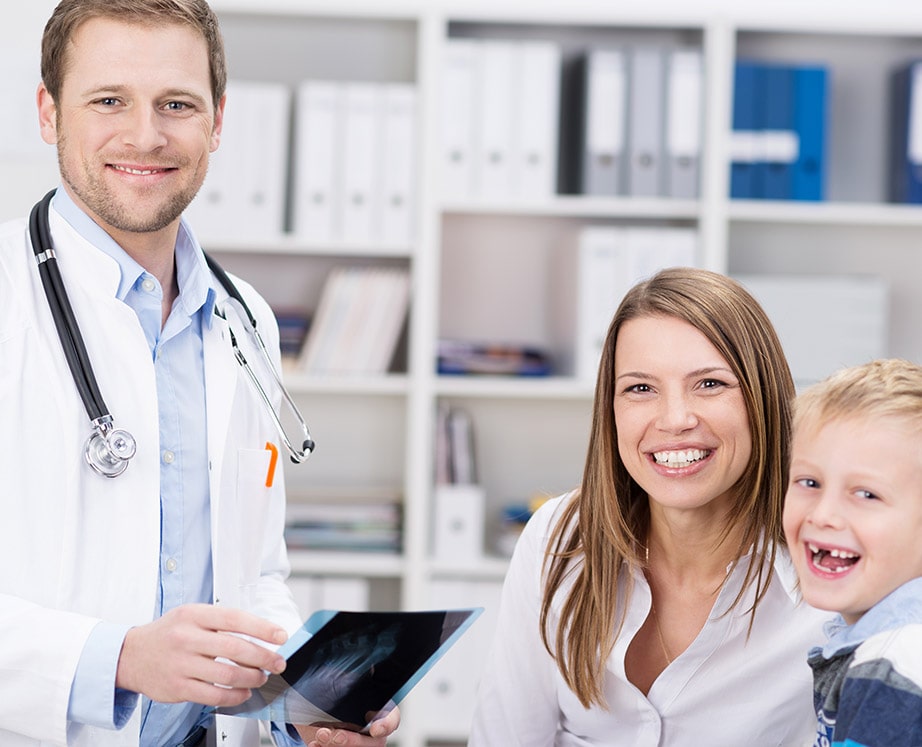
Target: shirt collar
[900, 607]
[196, 289]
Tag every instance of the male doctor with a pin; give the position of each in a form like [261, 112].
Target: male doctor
[118, 596]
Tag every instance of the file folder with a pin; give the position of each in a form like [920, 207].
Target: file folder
[360, 147]
[646, 122]
[535, 141]
[604, 83]
[457, 115]
[493, 135]
[317, 145]
[398, 163]
[744, 150]
[906, 139]
[603, 278]
[810, 96]
[683, 122]
[779, 139]
[244, 192]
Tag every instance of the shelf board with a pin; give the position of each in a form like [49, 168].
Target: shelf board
[580, 206]
[491, 568]
[515, 387]
[825, 213]
[285, 244]
[373, 565]
[386, 384]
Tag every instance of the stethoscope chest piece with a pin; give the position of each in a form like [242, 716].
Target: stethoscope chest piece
[107, 451]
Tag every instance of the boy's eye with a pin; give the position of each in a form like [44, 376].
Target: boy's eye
[867, 494]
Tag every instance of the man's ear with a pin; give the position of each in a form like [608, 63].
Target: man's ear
[47, 115]
[218, 124]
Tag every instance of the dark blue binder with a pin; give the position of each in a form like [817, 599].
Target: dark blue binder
[905, 172]
[808, 179]
[746, 101]
[774, 174]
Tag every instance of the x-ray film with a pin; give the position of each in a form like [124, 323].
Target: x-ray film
[347, 669]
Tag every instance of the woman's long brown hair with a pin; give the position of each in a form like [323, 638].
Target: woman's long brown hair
[605, 523]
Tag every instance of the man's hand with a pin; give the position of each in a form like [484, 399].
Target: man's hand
[324, 736]
[175, 658]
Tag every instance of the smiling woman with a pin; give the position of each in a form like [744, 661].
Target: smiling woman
[656, 601]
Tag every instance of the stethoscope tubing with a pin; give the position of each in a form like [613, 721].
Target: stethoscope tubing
[62, 312]
[78, 359]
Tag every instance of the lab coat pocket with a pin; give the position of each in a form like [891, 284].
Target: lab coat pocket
[252, 508]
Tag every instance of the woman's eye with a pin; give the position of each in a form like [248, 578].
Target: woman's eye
[711, 384]
[639, 388]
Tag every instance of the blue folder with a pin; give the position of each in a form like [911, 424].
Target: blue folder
[777, 116]
[905, 174]
[810, 101]
[746, 101]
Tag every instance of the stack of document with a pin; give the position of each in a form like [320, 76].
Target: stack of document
[778, 147]
[359, 320]
[499, 118]
[244, 193]
[356, 526]
[634, 122]
[354, 165]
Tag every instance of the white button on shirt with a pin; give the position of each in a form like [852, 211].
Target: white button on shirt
[727, 689]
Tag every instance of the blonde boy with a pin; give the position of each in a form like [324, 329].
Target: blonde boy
[853, 521]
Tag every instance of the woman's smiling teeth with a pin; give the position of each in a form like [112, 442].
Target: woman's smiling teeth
[679, 458]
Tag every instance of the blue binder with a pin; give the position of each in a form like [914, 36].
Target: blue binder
[810, 96]
[774, 175]
[905, 174]
[746, 100]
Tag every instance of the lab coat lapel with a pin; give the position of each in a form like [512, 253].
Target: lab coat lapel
[220, 383]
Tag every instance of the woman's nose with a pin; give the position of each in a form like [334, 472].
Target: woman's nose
[676, 413]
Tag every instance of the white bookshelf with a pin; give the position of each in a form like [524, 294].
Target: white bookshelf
[487, 269]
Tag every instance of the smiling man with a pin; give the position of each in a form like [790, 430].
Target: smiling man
[142, 597]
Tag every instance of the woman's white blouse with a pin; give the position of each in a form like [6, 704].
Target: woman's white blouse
[726, 690]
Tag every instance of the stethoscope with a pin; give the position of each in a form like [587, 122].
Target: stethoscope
[109, 449]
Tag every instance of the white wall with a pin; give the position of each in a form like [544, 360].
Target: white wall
[27, 170]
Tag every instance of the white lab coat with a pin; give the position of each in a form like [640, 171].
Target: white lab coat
[76, 547]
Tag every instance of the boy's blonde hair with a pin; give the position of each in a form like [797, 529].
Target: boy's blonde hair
[889, 387]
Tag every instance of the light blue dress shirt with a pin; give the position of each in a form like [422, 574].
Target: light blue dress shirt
[185, 536]
[185, 533]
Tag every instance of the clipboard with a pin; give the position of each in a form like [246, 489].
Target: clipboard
[348, 669]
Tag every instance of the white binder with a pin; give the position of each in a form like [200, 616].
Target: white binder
[360, 147]
[604, 137]
[535, 142]
[646, 119]
[260, 188]
[457, 115]
[683, 122]
[397, 199]
[317, 145]
[603, 277]
[494, 124]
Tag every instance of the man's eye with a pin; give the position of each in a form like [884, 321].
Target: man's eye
[177, 106]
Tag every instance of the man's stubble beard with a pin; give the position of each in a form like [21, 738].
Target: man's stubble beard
[101, 201]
